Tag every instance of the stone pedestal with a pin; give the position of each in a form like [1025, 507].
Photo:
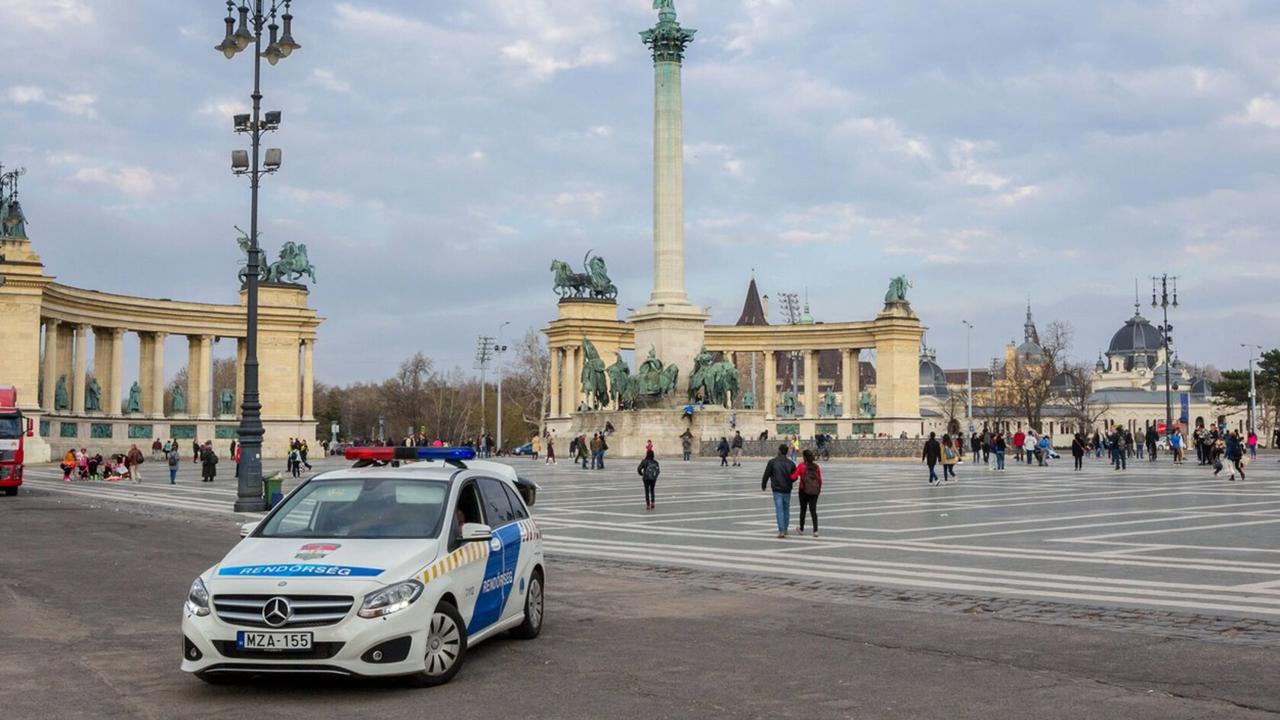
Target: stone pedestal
[675, 333]
[633, 429]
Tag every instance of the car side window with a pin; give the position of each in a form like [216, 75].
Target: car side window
[466, 511]
[517, 507]
[496, 506]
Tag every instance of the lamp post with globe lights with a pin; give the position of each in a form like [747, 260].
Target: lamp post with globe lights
[255, 16]
[1164, 295]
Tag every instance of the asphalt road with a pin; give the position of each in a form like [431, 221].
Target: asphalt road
[89, 614]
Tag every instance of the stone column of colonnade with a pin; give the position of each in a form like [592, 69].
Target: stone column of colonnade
[80, 367]
[199, 375]
[553, 391]
[51, 363]
[66, 346]
[770, 403]
[811, 383]
[308, 379]
[108, 356]
[151, 372]
[850, 366]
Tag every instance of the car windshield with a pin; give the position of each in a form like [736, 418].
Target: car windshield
[10, 427]
[368, 508]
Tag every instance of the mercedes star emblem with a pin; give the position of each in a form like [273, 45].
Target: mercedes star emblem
[276, 612]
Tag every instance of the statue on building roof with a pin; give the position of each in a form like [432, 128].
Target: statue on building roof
[897, 294]
[12, 222]
[593, 284]
[292, 265]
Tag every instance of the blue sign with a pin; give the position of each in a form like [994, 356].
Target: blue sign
[1186, 409]
[298, 570]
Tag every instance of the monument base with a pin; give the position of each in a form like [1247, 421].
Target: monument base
[676, 334]
[634, 429]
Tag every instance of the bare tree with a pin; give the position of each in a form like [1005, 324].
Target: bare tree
[1078, 396]
[1031, 379]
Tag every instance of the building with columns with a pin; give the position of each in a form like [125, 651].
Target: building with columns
[48, 331]
[677, 331]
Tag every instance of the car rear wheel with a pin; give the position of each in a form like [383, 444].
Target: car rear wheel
[11, 491]
[446, 646]
[533, 610]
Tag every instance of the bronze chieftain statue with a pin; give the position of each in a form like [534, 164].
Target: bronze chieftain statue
[622, 386]
[713, 382]
[656, 380]
[897, 294]
[593, 376]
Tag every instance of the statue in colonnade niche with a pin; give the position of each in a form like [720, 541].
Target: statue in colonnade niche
[226, 402]
[60, 401]
[179, 400]
[135, 399]
[93, 396]
[789, 403]
[865, 406]
[748, 400]
[828, 403]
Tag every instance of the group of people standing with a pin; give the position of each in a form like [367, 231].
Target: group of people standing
[589, 452]
[127, 465]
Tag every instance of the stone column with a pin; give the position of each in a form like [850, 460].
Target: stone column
[103, 357]
[769, 401]
[567, 404]
[146, 364]
[115, 393]
[66, 355]
[308, 379]
[75, 384]
[811, 383]
[850, 367]
[50, 363]
[240, 357]
[204, 400]
[553, 389]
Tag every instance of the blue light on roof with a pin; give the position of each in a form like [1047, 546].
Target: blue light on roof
[446, 453]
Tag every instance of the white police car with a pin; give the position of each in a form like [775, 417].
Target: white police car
[374, 571]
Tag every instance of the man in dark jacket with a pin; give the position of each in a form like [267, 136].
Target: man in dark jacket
[932, 453]
[777, 474]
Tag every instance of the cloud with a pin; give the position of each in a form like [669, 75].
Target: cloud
[547, 38]
[723, 155]
[223, 108]
[326, 79]
[78, 104]
[44, 15]
[887, 134]
[135, 181]
[323, 197]
[590, 202]
[1263, 110]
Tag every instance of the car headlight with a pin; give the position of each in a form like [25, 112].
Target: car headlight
[198, 598]
[392, 598]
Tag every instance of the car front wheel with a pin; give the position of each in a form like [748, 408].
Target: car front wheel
[446, 646]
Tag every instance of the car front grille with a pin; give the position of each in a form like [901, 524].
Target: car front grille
[308, 610]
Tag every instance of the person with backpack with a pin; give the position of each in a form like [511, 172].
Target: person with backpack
[949, 458]
[932, 453]
[173, 459]
[777, 475]
[649, 471]
[208, 463]
[132, 460]
[810, 477]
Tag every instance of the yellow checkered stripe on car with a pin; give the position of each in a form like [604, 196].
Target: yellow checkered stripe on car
[528, 530]
[465, 555]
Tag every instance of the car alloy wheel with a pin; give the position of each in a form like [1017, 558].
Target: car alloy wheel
[444, 644]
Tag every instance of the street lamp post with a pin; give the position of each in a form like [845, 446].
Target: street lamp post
[501, 351]
[1253, 389]
[1162, 289]
[253, 20]
[968, 366]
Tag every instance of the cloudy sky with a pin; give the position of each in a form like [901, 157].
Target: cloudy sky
[438, 155]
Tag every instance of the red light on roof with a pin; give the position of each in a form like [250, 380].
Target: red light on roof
[384, 454]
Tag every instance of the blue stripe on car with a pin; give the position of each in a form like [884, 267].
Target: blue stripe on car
[298, 570]
[499, 575]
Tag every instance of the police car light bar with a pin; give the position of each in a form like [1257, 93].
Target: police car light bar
[388, 454]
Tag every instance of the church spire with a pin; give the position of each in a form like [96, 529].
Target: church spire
[1029, 327]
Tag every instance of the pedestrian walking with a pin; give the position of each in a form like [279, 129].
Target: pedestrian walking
[1252, 443]
[551, 451]
[777, 476]
[1235, 453]
[1018, 438]
[649, 471]
[156, 447]
[173, 459]
[535, 447]
[132, 460]
[736, 448]
[723, 450]
[1000, 447]
[1175, 446]
[932, 453]
[686, 445]
[195, 451]
[810, 477]
[1077, 450]
[949, 458]
[208, 463]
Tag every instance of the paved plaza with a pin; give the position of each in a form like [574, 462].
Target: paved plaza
[1155, 537]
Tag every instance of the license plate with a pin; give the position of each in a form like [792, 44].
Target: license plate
[281, 642]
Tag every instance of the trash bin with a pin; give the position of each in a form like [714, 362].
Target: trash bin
[272, 492]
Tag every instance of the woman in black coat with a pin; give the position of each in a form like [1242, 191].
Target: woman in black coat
[1077, 450]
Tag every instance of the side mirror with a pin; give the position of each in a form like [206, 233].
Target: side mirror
[476, 531]
[247, 528]
[31, 427]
